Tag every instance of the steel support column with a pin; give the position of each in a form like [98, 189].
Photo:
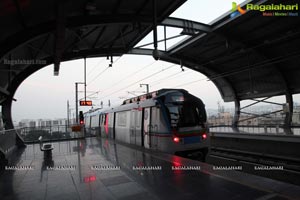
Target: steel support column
[237, 110]
[155, 51]
[155, 24]
[76, 102]
[6, 113]
[7, 119]
[288, 113]
[59, 35]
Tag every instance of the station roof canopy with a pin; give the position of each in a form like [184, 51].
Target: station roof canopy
[246, 56]
[65, 29]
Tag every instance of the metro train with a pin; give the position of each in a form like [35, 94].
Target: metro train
[167, 120]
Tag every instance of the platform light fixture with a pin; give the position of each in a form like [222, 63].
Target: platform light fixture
[111, 61]
[181, 66]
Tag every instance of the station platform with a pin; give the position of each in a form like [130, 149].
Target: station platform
[103, 169]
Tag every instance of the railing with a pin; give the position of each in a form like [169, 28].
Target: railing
[50, 133]
[260, 129]
[247, 121]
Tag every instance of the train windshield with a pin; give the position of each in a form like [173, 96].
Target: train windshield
[185, 111]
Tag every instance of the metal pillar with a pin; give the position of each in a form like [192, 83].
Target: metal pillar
[85, 79]
[7, 120]
[155, 52]
[237, 110]
[60, 34]
[76, 100]
[6, 114]
[288, 113]
[68, 114]
[165, 37]
[155, 24]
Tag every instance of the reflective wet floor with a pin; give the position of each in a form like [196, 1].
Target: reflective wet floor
[102, 169]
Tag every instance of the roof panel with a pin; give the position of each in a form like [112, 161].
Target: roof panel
[267, 45]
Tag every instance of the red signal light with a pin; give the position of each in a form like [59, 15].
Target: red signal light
[92, 178]
[204, 136]
[81, 118]
[176, 139]
[89, 179]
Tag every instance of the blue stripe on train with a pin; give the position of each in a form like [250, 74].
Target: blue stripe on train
[191, 140]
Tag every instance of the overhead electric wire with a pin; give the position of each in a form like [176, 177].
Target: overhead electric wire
[123, 78]
[114, 62]
[168, 77]
[98, 75]
[95, 66]
[177, 74]
[102, 72]
[138, 81]
[163, 79]
[188, 83]
[129, 76]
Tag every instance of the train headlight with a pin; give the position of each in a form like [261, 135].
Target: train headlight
[176, 139]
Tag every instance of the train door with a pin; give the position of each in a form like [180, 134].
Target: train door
[154, 127]
[138, 127]
[114, 126]
[146, 127]
[111, 125]
[132, 127]
[99, 125]
[102, 125]
[106, 124]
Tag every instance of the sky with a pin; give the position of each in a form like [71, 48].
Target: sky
[44, 96]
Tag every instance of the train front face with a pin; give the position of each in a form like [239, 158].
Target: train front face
[186, 117]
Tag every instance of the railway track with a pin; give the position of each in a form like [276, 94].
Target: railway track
[290, 167]
[288, 163]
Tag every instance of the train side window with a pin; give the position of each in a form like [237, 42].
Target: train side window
[121, 119]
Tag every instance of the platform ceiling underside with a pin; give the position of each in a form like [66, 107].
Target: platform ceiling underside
[258, 56]
[246, 57]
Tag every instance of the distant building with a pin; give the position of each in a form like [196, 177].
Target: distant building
[42, 123]
[247, 120]
[28, 123]
[296, 115]
[224, 118]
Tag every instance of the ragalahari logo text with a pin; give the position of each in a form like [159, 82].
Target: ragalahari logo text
[237, 10]
[279, 9]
